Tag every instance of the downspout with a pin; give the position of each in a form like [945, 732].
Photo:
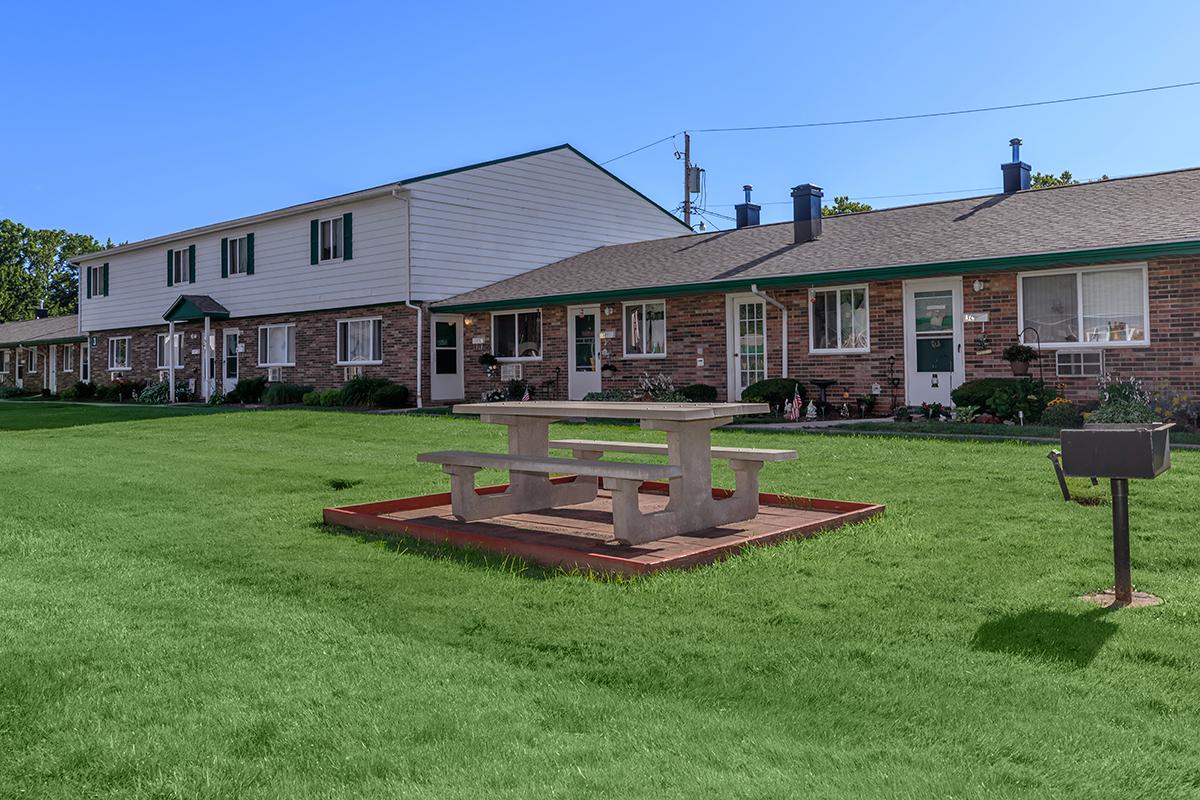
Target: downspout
[400, 194]
[754, 291]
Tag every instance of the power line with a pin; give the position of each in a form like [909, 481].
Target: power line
[951, 113]
[929, 115]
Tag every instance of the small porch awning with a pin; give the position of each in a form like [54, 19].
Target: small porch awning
[195, 306]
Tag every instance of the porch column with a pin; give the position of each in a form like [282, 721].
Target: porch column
[171, 361]
[204, 356]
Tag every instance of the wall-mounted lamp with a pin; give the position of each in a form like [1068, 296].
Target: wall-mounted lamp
[468, 322]
[608, 310]
[977, 285]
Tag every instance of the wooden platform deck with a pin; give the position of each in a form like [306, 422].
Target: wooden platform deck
[577, 536]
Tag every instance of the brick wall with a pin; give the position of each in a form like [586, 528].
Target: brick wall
[35, 381]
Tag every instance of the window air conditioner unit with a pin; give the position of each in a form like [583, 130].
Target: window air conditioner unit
[510, 372]
[274, 374]
[353, 372]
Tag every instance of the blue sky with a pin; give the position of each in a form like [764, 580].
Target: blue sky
[129, 120]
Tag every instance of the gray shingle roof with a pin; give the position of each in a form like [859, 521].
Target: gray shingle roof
[1145, 209]
[33, 331]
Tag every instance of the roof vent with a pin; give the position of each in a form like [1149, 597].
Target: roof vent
[806, 211]
[1016, 173]
[747, 212]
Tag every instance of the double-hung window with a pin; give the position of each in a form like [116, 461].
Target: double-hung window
[237, 255]
[68, 362]
[179, 266]
[166, 351]
[1105, 307]
[646, 329]
[517, 334]
[96, 285]
[331, 239]
[33, 359]
[840, 321]
[3, 362]
[118, 353]
[277, 345]
[359, 341]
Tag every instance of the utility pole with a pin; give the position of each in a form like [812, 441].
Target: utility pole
[687, 179]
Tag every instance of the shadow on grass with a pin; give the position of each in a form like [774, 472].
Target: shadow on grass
[1051, 636]
[468, 556]
[51, 414]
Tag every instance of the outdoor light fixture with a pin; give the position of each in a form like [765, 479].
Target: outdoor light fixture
[977, 285]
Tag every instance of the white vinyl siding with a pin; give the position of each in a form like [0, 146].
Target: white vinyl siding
[277, 345]
[359, 341]
[1088, 308]
[517, 335]
[118, 354]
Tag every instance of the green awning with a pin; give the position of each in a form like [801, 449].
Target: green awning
[191, 307]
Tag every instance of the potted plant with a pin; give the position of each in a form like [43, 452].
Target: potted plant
[1018, 356]
[489, 363]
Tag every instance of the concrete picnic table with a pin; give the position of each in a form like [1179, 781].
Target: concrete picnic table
[691, 505]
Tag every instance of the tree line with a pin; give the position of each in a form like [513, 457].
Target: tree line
[35, 268]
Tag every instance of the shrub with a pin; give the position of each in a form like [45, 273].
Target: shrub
[979, 392]
[1123, 411]
[1022, 398]
[607, 396]
[515, 390]
[1062, 413]
[283, 394]
[778, 392]
[358, 391]
[391, 396]
[1115, 389]
[154, 394]
[966, 413]
[331, 398]
[83, 390]
[248, 390]
[12, 391]
[658, 387]
[120, 391]
[699, 393]
[311, 398]
[217, 398]
[1177, 406]
[69, 393]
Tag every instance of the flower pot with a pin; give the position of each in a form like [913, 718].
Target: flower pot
[1019, 367]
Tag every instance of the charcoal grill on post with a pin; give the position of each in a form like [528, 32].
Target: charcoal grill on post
[1119, 453]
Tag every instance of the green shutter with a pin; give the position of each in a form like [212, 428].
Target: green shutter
[191, 263]
[249, 265]
[89, 282]
[314, 244]
[104, 279]
[170, 268]
[347, 236]
[224, 258]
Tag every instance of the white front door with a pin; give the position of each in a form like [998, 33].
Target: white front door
[583, 351]
[229, 372]
[446, 375]
[746, 334]
[19, 366]
[933, 339]
[52, 370]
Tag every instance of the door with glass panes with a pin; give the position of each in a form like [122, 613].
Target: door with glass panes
[229, 370]
[746, 326]
[933, 350]
[446, 378]
[583, 354]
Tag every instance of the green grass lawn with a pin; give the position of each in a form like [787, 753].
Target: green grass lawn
[177, 623]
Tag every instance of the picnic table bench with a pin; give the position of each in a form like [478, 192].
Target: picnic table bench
[691, 507]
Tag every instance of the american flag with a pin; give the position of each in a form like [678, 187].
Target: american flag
[793, 410]
[525, 397]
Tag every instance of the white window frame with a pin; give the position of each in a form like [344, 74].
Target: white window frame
[233, 255]
[541, 335]
[812, 293]
[1078, 272]
[85, 362]
[261, 349]
[68, 359]
[158, 348]
[179, 265]
[377, 346]
[97, 273]
[645, 340]
[111, 347]
[4, 362]
[32, 365]
[338, 241]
